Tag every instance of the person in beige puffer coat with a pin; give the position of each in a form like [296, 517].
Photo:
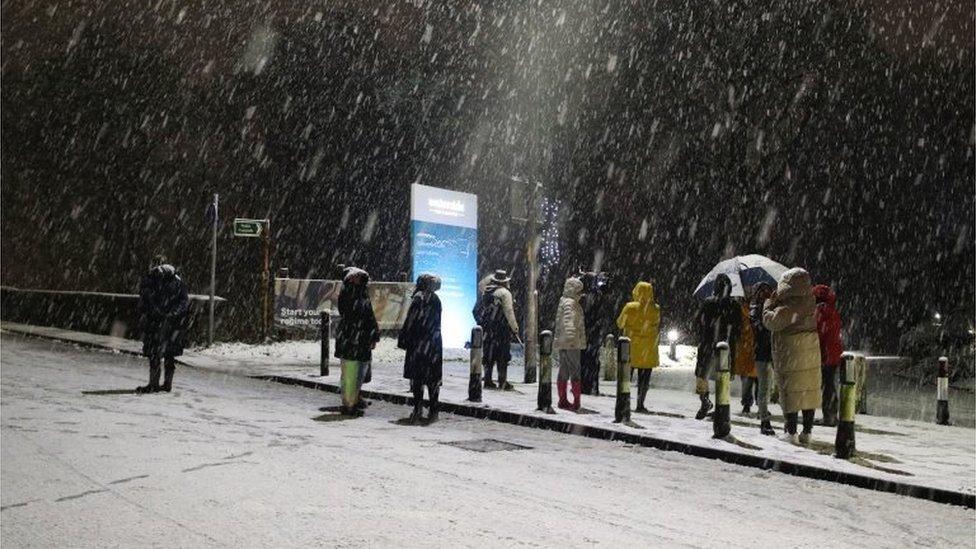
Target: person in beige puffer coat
[570, 340]
[790, 316]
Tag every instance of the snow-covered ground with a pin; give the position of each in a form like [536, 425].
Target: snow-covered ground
[918, 453]
[304, 352]
[912, 452]
[233, 462]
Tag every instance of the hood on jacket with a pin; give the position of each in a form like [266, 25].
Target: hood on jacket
[643, 293]
[428, 282]
[794, 282]
[722, 287]
[355, 275]
[589, 281]
[573, 288]
[164, 269]
[825, 294]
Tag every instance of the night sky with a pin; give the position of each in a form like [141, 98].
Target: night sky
[837, 136]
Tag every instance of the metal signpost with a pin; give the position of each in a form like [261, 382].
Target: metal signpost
[213, 267]
[259, 228]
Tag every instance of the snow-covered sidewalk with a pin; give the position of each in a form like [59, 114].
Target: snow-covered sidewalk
[893, 450]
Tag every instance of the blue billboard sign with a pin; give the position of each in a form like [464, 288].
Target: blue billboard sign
[444, 242]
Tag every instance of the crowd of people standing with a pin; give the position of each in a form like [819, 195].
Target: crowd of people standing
[785, 342]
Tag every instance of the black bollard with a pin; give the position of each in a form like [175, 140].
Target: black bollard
[844, 443]
[474, 383]
[721, 418]
[942, 393]
[324, 321]
[621, 413]
[545, 373]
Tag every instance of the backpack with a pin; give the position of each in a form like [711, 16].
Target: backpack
[487, 311]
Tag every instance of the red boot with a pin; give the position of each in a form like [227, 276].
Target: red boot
[563, 402]
[577, 389]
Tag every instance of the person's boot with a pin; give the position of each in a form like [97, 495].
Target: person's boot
[434, 392]
[807, 427]
[168, 370]
[829, 419]
[766, 428]
[577, 390]
[153, 385]
[706, 405]
[503, 383]
[790, 428]
[489, 384]
[417, 415]
[351, 411]
[563, 401]
[746, 409]
[641, 395]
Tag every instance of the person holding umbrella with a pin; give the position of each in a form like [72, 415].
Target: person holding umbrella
[718, 319]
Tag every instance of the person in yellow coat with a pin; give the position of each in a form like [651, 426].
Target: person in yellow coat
[639, 320]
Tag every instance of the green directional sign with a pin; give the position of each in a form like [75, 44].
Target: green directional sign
[248, 227]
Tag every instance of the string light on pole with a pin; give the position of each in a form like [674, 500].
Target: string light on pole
[549, 251]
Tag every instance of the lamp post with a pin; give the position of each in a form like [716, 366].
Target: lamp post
[673, 336]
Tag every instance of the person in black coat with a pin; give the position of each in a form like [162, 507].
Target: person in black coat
[356, 337]
[163, 307]
[764, 354]
[421, 338]
[719, 319]
[596, 319]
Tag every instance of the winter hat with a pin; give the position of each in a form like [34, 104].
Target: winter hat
[500, 277]
[353, 274]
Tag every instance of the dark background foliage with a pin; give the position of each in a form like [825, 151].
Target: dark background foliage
[833, 135]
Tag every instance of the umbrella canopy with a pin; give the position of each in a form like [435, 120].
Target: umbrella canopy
[744, 271]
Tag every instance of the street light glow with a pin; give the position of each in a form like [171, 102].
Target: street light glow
[673, 335]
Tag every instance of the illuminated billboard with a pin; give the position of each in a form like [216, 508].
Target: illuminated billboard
[444, 241]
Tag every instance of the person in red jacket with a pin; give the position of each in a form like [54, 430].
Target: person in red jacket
[831, 348]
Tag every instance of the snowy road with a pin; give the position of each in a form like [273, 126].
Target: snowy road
[228, 461]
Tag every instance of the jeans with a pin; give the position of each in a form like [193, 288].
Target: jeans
[829, 385]
[590, 370]
[643, 384]
[750, 391]
[765, 383]
[569, 365]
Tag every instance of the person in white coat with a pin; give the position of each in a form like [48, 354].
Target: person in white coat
[570, 340]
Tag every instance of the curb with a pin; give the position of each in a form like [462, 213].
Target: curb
[937, 495]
